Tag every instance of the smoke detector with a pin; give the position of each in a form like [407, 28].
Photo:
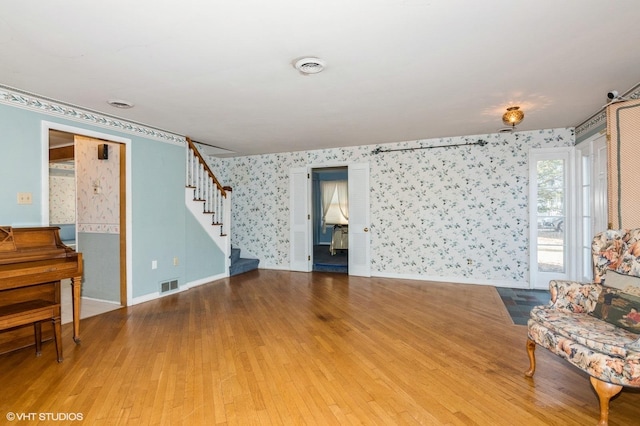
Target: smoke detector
[310, 65]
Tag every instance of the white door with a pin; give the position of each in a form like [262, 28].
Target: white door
[300, 248]
[359, 235]
[550, 215]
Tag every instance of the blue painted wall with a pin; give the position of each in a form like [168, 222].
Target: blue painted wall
[158, 229]
[159, 211]
[211, 259]
[21, 169]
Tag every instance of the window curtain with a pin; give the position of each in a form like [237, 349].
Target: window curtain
[327, 189]
[623, 134]
[343, 197]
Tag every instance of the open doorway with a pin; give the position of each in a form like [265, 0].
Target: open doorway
[330, 219]
[75, 182]
[301, 233]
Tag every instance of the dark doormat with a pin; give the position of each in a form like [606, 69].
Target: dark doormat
[520, 301]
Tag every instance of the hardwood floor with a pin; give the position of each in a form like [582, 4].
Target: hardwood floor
[277, 347]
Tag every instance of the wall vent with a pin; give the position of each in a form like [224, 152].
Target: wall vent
[168, 286]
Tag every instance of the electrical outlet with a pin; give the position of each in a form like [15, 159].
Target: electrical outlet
[24, 198]
[175, 261]
[154, 264]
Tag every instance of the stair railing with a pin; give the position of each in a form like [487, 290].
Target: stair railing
[208, 189]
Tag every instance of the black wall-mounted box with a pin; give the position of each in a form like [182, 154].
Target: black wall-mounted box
[103, 151]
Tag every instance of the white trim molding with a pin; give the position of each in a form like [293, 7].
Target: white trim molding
[17, 98]
[598, 120]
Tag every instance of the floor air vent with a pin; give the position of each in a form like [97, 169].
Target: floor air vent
[168, 286]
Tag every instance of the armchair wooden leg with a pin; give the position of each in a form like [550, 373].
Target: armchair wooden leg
[531, 351]
[605, 392]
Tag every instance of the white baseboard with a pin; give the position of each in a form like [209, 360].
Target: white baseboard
[145, 298]
[275, 267]
[158, 295]
[101, 300]
[453, 280]
[207, 280]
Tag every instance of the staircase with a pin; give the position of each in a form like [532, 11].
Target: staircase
[210, 204]
[241, 265]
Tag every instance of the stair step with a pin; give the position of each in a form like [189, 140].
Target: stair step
[235, 255]
[243, 265]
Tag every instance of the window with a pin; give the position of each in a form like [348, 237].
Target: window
[335, 202]
[551, 215]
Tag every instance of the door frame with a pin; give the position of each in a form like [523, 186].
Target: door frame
[309, 229]
[593, 150]
[537, 279]
[126, 292]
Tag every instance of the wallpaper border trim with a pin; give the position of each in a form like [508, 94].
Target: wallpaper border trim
[18, 98]
[599, 120]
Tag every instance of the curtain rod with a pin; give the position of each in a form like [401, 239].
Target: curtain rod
[380, 150]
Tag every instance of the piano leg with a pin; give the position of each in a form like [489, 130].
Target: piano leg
[57, 337]
[37, 331]
[76, 284]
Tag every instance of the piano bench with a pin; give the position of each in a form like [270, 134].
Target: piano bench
[34, 312]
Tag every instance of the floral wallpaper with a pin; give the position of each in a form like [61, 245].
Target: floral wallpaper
[431, 210]
[98, 187]
[62, 193]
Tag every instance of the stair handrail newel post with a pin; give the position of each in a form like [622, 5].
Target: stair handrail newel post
[226, 226]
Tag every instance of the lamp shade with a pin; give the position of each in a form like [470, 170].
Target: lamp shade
[513, 116]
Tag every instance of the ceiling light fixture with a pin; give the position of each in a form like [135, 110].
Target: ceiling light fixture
[513, 116]
[118, 103]
[310, 65]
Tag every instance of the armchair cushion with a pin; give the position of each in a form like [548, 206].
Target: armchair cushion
[617, 250]
[588, 331]
[603, 366]
[573, 297]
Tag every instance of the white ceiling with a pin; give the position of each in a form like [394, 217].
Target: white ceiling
[221, 71]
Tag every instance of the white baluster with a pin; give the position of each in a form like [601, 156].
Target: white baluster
[221, 217]
[199, 181]
[209, 194]
[216, 196]
[191, 156]
[186, 166]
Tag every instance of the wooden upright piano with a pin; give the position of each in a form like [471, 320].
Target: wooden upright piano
[32, 263]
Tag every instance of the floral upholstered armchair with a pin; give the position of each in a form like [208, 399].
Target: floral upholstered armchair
[596, 326]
